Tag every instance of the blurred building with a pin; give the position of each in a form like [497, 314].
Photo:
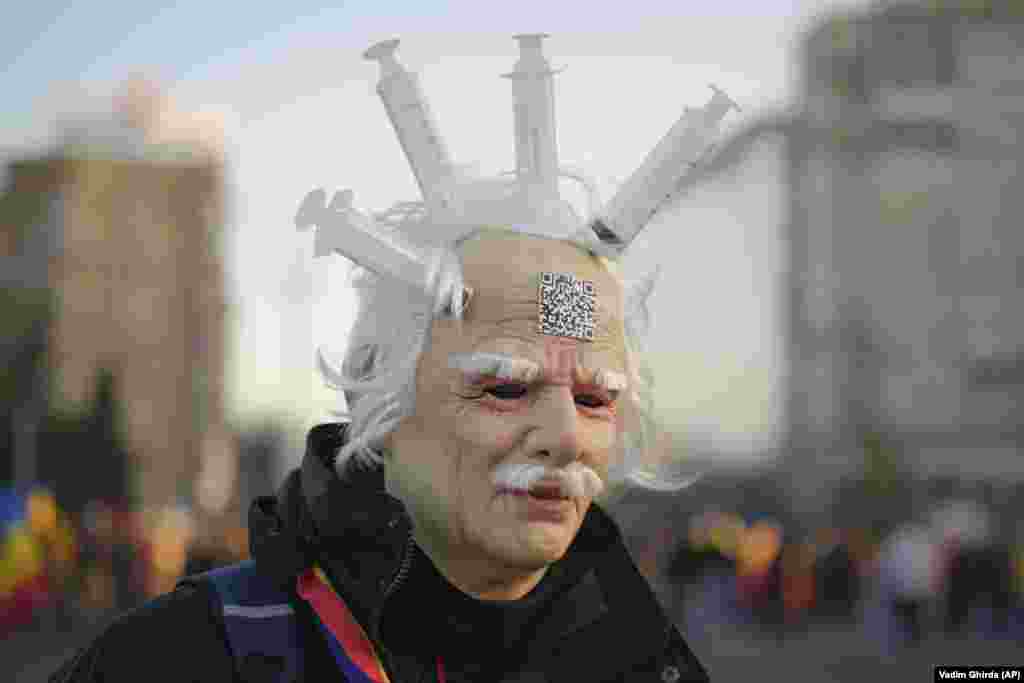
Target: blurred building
[906, 318]
[120, 228]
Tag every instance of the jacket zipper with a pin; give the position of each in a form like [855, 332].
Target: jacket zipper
[403, 571]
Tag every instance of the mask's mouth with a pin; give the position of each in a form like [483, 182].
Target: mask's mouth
[541, 490]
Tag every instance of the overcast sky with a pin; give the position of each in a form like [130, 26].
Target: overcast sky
[300, 112]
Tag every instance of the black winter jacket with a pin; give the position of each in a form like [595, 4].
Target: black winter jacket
[602, 623]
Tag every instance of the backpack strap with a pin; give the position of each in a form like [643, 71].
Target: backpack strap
[259, 621]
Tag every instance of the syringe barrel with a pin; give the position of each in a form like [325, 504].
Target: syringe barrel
[355, 236]
[535, 133]
[413, 121]
[658, 178]
[536, 145]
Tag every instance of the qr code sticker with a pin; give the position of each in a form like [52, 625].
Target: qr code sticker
[567, 306]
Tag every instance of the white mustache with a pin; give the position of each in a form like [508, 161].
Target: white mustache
[574, 481]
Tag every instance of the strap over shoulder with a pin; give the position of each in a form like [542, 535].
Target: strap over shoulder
[259, 620]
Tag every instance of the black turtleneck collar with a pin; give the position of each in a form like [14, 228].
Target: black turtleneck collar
[456, 625]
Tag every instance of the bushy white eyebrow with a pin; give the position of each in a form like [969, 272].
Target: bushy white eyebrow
[505, 367]
[495, 365]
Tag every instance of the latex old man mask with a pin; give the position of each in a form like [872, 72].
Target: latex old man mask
[513, 426]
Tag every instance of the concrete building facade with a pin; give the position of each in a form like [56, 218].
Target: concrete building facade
[133, 263]
[906, 298]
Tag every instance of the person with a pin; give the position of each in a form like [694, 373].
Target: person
[907, 569]
[839, 586]
[452, 527]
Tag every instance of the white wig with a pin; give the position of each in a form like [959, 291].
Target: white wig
[391, 331]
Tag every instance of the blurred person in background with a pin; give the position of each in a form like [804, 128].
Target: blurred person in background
[1016, 621]
[978, 583]
[98, 590]
[126, 564]
[906, 574]
[452, 529]
[759, 573]
[692, 559]
[838, 580]
[37, 557]
[798, 583]
[56, 538]
[715, 595]
[170, 534]
[113, 559]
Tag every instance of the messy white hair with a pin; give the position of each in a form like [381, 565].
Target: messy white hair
[392, 329]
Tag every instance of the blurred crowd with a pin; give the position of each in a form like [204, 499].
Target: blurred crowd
[946, 572]
[58, 570]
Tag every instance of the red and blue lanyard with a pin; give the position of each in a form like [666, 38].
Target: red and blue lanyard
[349, 644]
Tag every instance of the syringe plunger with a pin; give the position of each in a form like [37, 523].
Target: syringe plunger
[531, 49]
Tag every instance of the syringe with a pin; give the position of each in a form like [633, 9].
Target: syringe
[662, 174]
[412, 119]
[354, 235]
[536, 145]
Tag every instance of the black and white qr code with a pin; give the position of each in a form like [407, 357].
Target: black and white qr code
[567, 306]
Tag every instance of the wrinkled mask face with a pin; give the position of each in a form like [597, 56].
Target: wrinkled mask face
[518, 406]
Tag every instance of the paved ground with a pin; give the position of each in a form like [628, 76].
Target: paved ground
[841, 655]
